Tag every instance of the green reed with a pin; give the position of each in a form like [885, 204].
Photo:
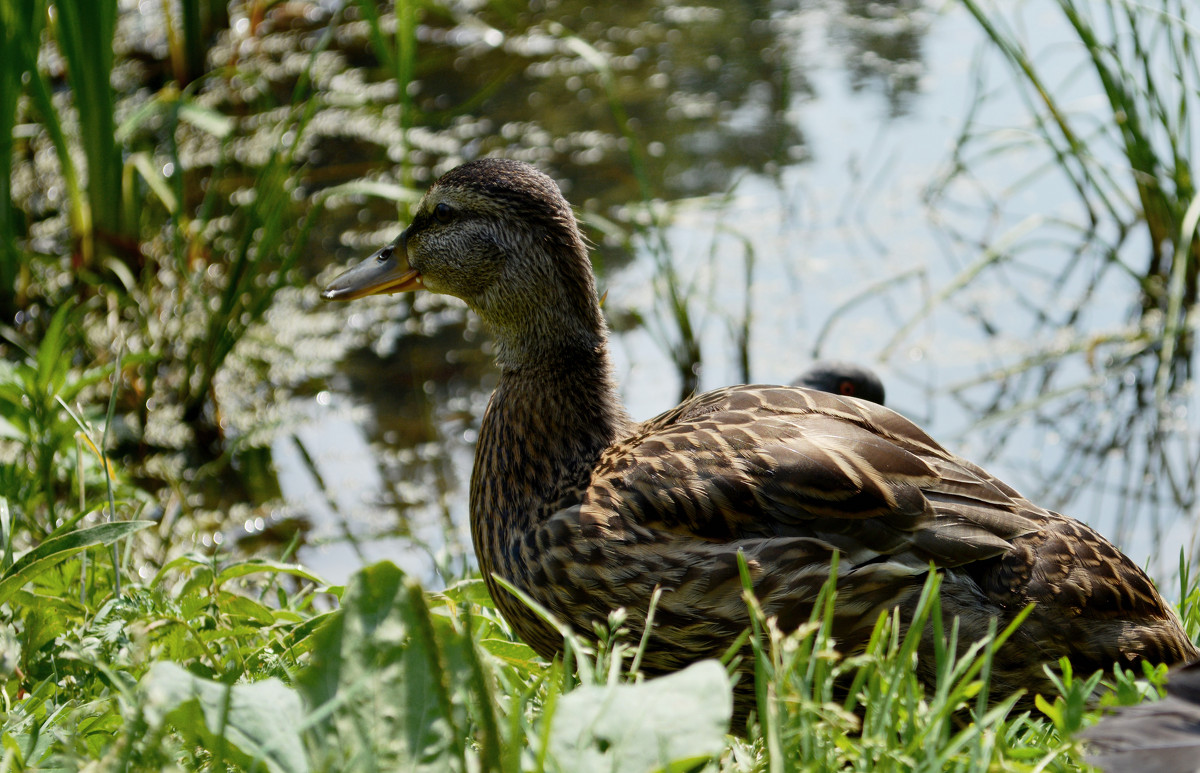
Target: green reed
[1144, 60]
[398, 56]
[198, 21]
[209, 660]
[676, 326]
[147, 210]
[1127, 222]
[84, 34]
[17, 26]
[265, 247]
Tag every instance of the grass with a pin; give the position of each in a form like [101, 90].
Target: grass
[84, 32]
[12, 64]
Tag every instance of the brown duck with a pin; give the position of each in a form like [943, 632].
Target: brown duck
[586, 510]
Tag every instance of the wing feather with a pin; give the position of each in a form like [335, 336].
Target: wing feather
[747, 462]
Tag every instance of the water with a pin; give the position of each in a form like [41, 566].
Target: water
[796, 154]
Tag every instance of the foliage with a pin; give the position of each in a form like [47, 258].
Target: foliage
[182, 214]
[234, 663]
[188, 671]
[1143, 60]
[1125, 228]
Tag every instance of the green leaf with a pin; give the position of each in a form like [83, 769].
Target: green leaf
[154, 178]
[235, 604]
[206, 119]
[373, 188]
[378, 671]
[472, 591]
[512, 652]
[54, 550]
[51, 365]
[251, 723]
[68, 392]
[303, 636]
[256, 565]
[188, 560]
[1052, 710]
[672, 723]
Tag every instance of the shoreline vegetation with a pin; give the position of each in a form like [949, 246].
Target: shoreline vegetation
[175, 178]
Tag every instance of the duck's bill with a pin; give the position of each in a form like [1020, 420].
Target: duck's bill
[385, 272]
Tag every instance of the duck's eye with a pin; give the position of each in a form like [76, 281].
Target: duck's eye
[443, 212]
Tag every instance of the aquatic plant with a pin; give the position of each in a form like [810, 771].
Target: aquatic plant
[1106, 382]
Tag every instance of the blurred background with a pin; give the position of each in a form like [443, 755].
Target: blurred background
[992, 204]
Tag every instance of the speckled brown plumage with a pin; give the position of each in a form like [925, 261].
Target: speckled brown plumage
[587, 511]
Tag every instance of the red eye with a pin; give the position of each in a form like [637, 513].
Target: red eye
[846, 388]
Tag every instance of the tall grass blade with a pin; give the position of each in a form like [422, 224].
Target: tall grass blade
[18, 22]
[85, 36]
[192, 22]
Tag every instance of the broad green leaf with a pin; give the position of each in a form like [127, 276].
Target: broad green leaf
[187, 560]
[512, 652]
[673, 723]
[198, 582]
[97, 505]
[254, 723]
[287, 616]
[54, 550]
[473, 590]
[256, 565]
[377, 671]
[236, 604]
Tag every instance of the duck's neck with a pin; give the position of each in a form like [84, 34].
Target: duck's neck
[544, 430]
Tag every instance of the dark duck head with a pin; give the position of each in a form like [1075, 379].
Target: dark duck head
[843, 378]
[498, 235]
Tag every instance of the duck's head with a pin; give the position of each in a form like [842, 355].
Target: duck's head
[499, 235]
[843, 378]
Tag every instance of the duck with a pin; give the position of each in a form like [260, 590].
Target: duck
[585, 511]
[842, 377]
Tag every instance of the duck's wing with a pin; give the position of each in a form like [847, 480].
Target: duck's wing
[757, 461]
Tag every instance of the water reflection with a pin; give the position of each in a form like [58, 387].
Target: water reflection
[882, 44]
[622, 103]
[810, 199]
[768, 160]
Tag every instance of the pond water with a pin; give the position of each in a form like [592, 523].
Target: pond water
[799, 186]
